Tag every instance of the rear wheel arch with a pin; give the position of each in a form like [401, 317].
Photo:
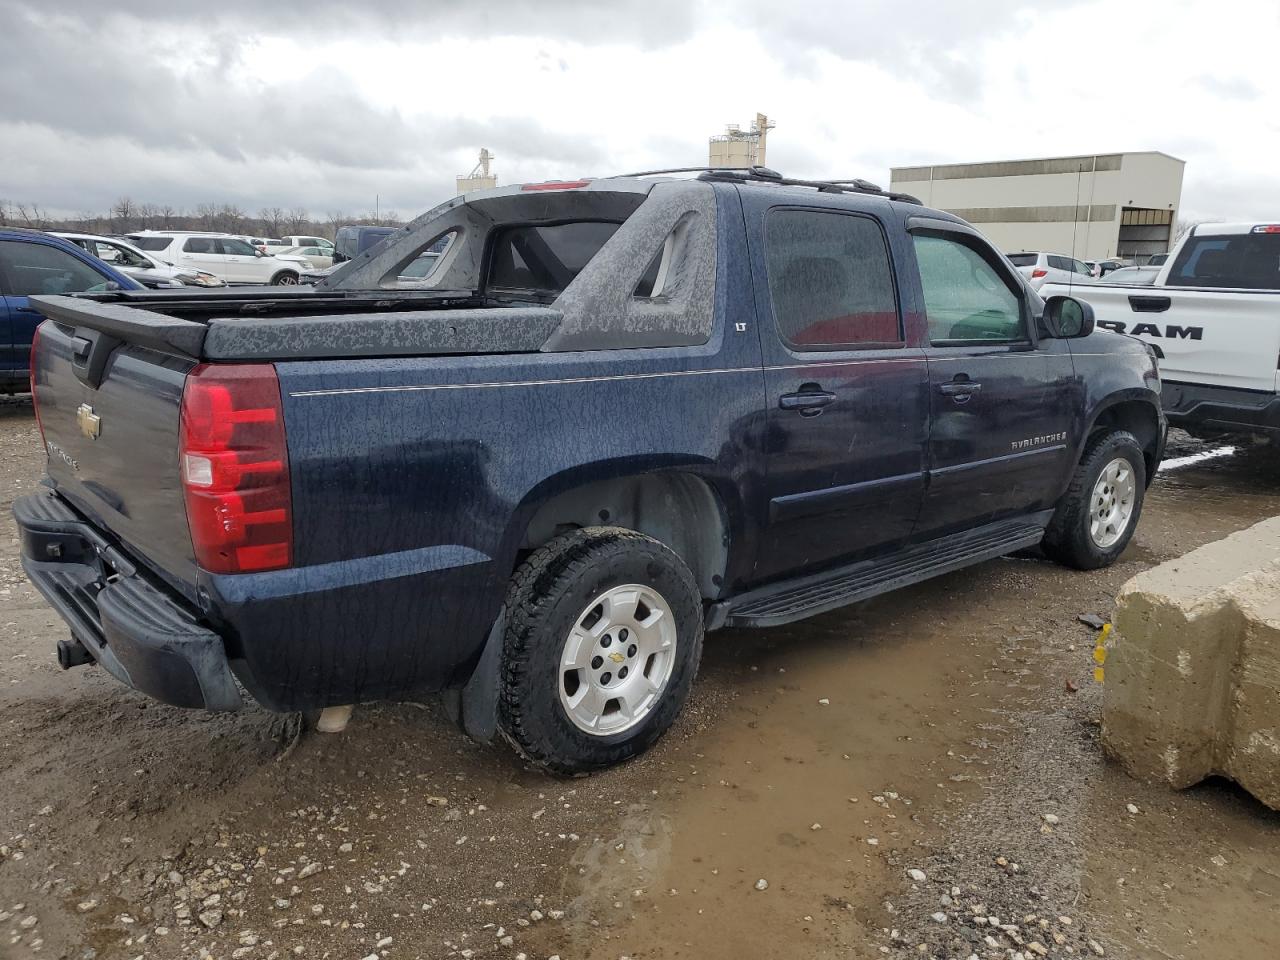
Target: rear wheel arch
[679, 509]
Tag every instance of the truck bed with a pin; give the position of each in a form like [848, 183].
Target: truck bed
[266, 325]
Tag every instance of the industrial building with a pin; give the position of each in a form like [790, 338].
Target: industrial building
[1091, 207]
[740, 148]
[481, 177]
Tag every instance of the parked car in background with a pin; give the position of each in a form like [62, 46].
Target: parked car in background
[1041, 268]
[1137, 275]
[260, 243]
[222, 254]
[1101, 268]
[351, 241]
[1212, 313]
[616, 415]
[318, 257]
[1157, 260]
[415, 274]
[300, 240]
[147, 269]
[34, 263]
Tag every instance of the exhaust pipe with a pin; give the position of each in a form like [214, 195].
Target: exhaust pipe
[72, 653]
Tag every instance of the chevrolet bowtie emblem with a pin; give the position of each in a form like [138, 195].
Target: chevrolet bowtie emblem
[90, 422]
[616, 657]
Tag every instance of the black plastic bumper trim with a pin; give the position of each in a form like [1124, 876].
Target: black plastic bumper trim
[138, 633]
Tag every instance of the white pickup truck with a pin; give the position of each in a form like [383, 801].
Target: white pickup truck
[1213, 315]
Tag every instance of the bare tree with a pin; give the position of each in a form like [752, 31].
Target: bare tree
[167, 215]
[299, 220]
[122, 213]
[273, 220]
[1181, 227]
[30, 215]
[335, 219]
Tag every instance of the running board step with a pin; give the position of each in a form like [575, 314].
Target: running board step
[792, 600]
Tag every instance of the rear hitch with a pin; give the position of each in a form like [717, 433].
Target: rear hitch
[72, 653]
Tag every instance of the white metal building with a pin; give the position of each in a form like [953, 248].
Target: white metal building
[1091, 207]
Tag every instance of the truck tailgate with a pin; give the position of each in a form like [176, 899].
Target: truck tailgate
[112, 440]
[1226, 338]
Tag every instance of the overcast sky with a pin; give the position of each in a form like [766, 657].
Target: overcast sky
[327, 104]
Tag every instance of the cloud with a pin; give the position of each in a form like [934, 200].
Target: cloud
[262, 105]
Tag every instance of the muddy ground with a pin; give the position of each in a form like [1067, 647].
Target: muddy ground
[932, 730]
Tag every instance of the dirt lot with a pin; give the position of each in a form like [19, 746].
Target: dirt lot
[931, 730]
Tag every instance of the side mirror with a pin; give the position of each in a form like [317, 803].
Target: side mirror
[1068, 318]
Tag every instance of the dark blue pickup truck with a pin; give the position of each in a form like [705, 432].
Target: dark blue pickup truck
[616, 414]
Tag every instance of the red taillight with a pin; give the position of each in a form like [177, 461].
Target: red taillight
[31, 360]
[1267, 228]
[557, 185]
[1039, 272]
[235, 468]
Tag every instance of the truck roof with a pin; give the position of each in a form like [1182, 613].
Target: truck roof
[1234, 229]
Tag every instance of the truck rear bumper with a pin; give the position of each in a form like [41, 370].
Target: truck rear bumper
[136, 631]
[1194, 405]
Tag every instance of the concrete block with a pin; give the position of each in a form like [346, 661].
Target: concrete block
[1193, 676]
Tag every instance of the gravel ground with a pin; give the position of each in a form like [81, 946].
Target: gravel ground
[914, 776]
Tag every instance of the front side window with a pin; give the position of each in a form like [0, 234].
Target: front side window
[830, 280]
[545, 260]
[232, 247]
[965, 298]
[119, 256]
[31, 269]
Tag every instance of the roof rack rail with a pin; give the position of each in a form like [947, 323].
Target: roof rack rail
[759, 174]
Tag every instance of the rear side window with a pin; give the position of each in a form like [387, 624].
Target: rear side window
[31, 269]
[151, 244]
[830, 280]
[965, 298]
[1250, 261]
[544, 260]
[1024, 259]
[198, 245]
[1060, 263]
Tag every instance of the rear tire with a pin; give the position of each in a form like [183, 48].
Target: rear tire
[603, 638]
[285, 278]
[1098, 514]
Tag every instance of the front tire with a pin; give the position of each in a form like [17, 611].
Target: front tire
[285, 278]
[603, 639]
[1098, 514]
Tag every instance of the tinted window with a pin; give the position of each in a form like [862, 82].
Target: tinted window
[830, 279]
[545, 259]
[30, 269]
[232, 247]
[1059, 263]
[117, 255]
[198, 245]
[1024, 259]
[151, 244]
[1081, 268]
[1251, 261]
[965, 298]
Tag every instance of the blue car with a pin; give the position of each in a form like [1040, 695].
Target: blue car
[34, 263]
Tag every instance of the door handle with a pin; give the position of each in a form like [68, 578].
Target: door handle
[959, 390]
[806, 400]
